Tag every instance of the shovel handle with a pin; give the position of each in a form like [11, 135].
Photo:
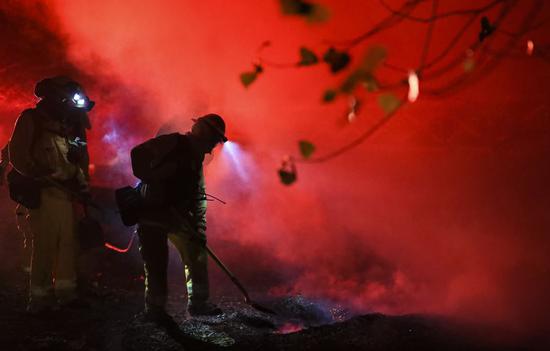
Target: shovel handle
[228, 272]
[185, 223]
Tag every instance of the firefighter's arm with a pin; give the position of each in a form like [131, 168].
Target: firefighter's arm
[20, 146]
[199, 208]
[83, 184]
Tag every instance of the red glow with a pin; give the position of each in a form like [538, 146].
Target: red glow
[288, 328]
[444, 210]
[119, 249]
[530, 47]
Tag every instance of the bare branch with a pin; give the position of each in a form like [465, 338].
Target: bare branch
[428, 40]
[432, 18]
[359, 140]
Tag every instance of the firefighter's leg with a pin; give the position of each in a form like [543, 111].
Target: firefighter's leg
[43, 255]
[195, 260]
[65, 272]
[23, 226]
[154, 250]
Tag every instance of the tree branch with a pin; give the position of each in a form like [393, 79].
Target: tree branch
[432, 18]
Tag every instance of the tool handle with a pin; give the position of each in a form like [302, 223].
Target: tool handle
[185, 223]
[228, 272]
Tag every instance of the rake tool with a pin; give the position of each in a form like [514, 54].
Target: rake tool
[185, 224]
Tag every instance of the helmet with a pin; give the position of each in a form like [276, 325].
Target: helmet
[215, 122]
[63, 90]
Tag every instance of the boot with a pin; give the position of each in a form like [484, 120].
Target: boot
[158, 315]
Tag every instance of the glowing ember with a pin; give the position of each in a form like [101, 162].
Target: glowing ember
[414, 87]
[91, 169]
[530, 47]
[288, 328]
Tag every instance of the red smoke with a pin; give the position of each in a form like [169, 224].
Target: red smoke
[444, 210]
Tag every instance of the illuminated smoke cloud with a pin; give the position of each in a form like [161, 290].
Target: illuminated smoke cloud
[444, 210]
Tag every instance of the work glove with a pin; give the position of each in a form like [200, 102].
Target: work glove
[76, 150]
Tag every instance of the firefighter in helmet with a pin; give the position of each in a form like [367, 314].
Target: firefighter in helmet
[49, 159]
[183, 189]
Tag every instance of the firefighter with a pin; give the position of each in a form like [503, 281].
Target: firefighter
[77, 129]
[183, 190]
[47, 166]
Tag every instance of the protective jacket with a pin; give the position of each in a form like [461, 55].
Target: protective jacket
[171, 179]
[180, 184]
[39, 146]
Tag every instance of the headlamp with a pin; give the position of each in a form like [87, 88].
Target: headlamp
[79, 100]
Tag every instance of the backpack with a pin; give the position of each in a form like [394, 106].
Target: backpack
[26, 190]
[152, 164]
[151, 160]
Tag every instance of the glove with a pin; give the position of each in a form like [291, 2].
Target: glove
[76, 150]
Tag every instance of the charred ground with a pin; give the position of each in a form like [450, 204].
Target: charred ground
[113, 284]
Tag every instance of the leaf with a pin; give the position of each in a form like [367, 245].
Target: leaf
[310, 11]
[359, 76]
[486, 29]
[307, 57]
[249, 77]
[374, 56]
[329, 95]
[337, 60]
[287, 177]
[389, 103]
[353, 79]
[370, 84]
[287, 172]
[296, 7]
[319, 14]
[365, 72]
[306, 148]
[469, 64]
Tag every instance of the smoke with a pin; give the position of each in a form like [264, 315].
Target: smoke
[445, 210]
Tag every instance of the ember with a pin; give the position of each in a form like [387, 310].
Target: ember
[288, 328]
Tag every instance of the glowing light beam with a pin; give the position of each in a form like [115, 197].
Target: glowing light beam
[235, 154]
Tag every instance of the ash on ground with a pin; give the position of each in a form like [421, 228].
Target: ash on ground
[113, 321]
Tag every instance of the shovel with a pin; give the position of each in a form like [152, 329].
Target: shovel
[231, 276]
